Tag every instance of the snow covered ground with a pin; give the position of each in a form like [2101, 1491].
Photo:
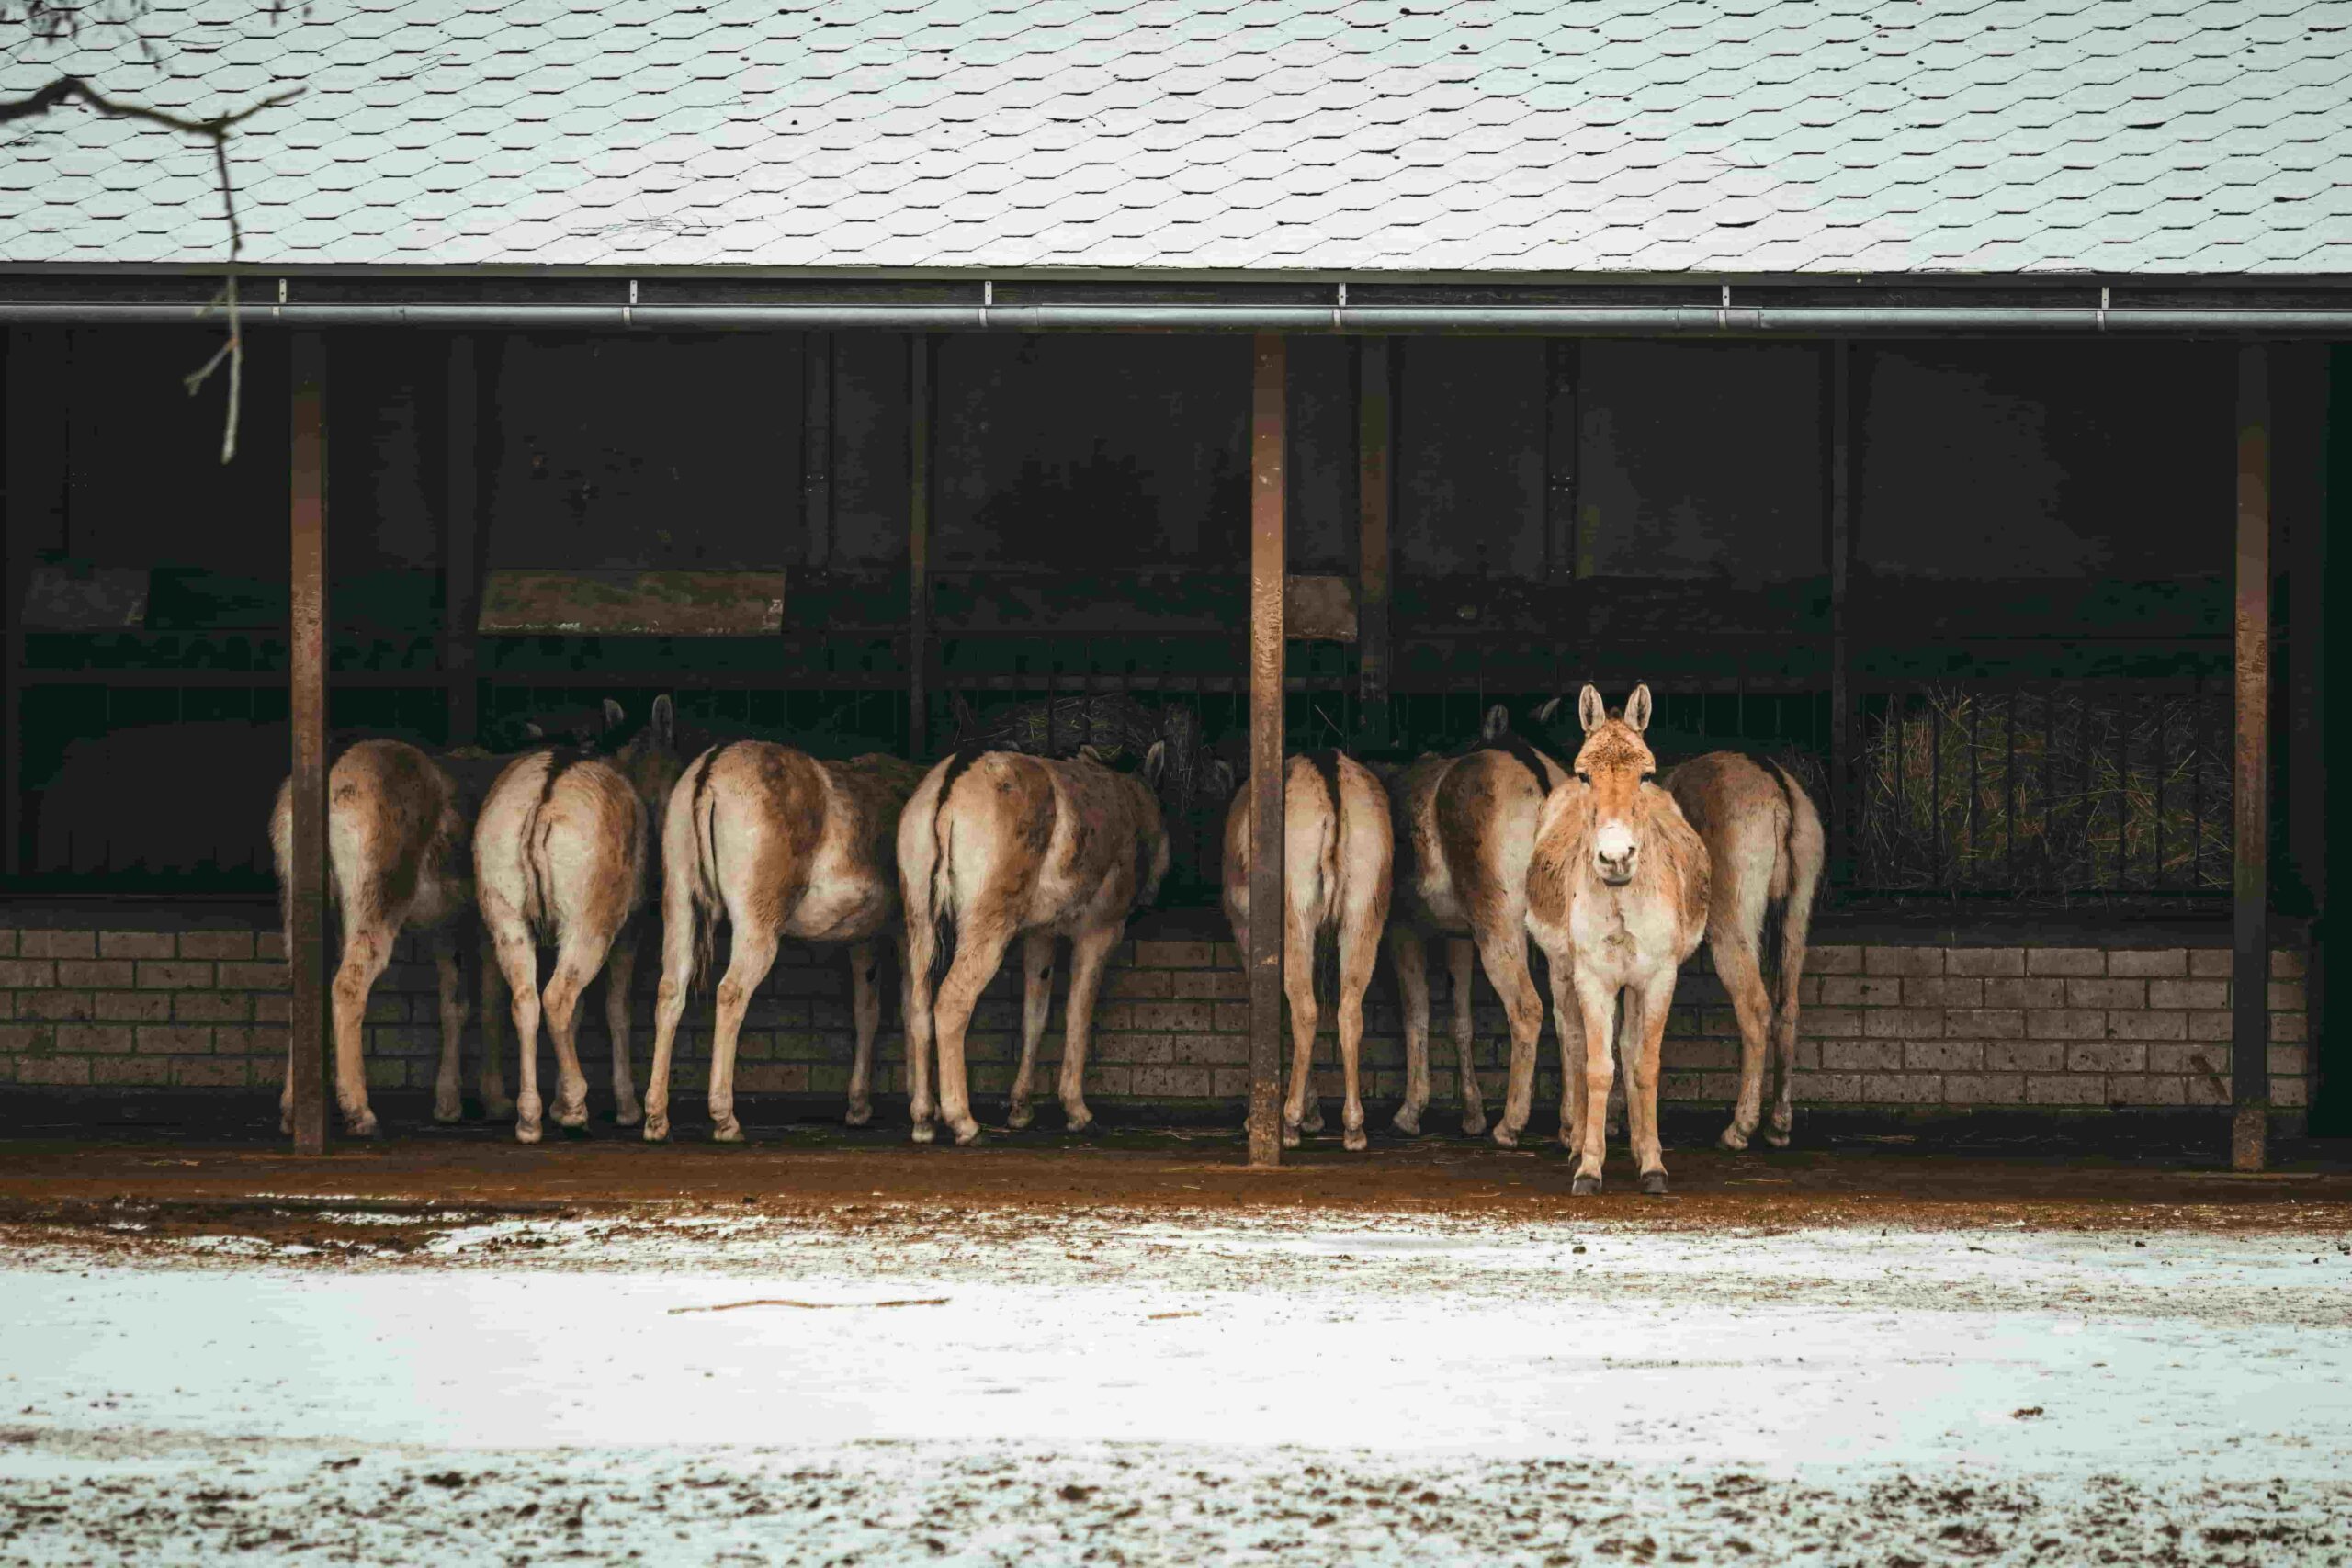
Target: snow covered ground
[894, 1384]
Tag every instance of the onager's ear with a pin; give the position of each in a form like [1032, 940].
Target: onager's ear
[1637, 710]
[1496, 724]
[1544, 715]
[1088, 754]
[531, 727]
[614, 716]
[1221, 778]
[1591, 712]
[1154, 763]
[665, 720]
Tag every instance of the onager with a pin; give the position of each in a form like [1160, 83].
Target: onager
[1765, 848]
[560, 859]
[398, 831]
[996, 845]
[1337, 850]
[782, 845]
[1617, 898]
[1465, 828]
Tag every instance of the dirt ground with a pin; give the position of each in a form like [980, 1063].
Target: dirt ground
[827, 1347]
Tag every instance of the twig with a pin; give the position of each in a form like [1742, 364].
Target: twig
[72, 89]
[810, 1306]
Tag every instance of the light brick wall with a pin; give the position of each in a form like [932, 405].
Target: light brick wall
[1907, 1024]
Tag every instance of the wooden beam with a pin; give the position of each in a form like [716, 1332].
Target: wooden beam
[1375, 501]
[919, 454]
[1837, 419]
[1563, 370]
[306, 939]
[2250, 779]
[817, 447]
[1267, 572]
[462, 543]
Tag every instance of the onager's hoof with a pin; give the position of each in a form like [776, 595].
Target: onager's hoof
[1778, 1137]
[1654, 1183]
[446, 1110]
[1019, 1115]
[526, 1132]
[286, 1119]
[1733, 1139]
[727, 1130]
[1313, 1121]
[628, 1115]
[1353, 1141]
[923, 1132]
[1585, 1187]
[1408, 1122]
[1291, 1139]
[1505, 1138]
[1080, 1120]
[1473, 1124]
[571, 1116]
[657, 1127]
[499, 1110]
[858, 1114]
[967, 1134]
[361, 1123]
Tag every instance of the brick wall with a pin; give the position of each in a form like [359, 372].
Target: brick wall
[1908, 1022]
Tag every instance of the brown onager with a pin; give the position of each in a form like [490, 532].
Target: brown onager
[1617, 898]
[561, 853]
[782, 845]
[1336, 848]
[1765, 848]
[996, 845]
[1465, 826]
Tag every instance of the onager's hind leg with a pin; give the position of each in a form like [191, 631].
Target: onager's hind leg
[976, 958]
[576, 963]
[518, 960]
[1037, 1008]
[1359, 952]
[1462, 960]
[865, 1008]
[747, 966]
[917, 950]
[620, 979]
[1410, 953]
[1089, 952]
[497, 1105]
[367, 949]
[445, 1104]
[1735, 966]
[1504, 951]
[1298, 987]
[1567, 1021]
[1597, 1006]
[678, 937]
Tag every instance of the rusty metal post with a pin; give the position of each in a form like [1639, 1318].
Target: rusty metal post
[1375, 493]
[1837, 404]
[919, 439]
[307, 939]
[1267, 568]
[461, 547]
[2250, 779]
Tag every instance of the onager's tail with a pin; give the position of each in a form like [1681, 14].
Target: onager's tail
[1327, 869]
[1801, 849]
[699, 871]
[943, 876]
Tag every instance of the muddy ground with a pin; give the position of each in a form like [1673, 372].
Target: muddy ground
[834, 1347]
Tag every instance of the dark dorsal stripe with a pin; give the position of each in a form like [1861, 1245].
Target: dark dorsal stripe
[702, 774]
[1326, 763]
[966, 755]
[559, 763]
[1512, 745]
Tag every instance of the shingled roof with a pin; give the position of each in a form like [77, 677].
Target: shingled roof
[1753, 137]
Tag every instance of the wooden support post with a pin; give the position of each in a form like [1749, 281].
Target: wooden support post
[918, 449]
[817, 447]
[307, 939]
[1563, 367]
[1267, 568]
[1375, 498]
[460, 544]
[2250, 779]
[38, 436]
[1838, 415]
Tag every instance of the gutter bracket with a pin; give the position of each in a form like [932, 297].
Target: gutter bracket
[628, 311]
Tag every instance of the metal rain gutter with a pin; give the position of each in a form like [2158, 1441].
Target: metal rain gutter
[1676, 320]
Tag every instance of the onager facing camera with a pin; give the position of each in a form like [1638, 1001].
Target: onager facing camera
[1617, 898]
[1336, 848]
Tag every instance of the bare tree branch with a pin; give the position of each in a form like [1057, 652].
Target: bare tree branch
[215, 129]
